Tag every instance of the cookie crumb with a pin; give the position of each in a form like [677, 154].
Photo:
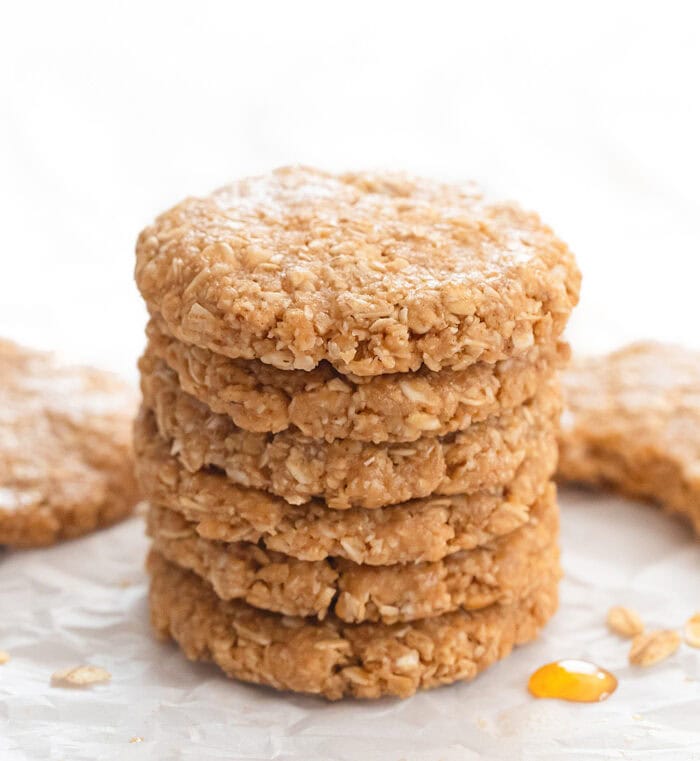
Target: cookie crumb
[654, 647]
[624, 621]
[136, 739]
[80, 676]
[4, 657]
[692, 630]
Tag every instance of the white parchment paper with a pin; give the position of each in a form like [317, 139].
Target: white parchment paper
[85, 602]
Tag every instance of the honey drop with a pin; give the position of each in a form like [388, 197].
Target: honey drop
[579, 681]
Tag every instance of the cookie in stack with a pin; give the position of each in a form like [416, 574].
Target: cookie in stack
[348, 429]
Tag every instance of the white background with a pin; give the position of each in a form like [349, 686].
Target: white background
[588, 112]
[110, 112]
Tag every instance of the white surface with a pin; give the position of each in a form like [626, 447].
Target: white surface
[109, 113]
[85, 602]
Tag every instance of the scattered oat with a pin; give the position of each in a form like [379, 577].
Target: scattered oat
[692, 630]
[80, 676]
[4, 657]
[654, 647]
[136, 740]
[637, 716]
[624, 621]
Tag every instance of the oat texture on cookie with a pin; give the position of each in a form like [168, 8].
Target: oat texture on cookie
[372, 273]
[348, 430]
[632, 423]
[324, 404]
[347, 473]
[419, 530]
[332, 658]
[499, 571]
[66, 461]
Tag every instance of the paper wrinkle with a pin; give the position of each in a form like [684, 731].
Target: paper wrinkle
[84, 602]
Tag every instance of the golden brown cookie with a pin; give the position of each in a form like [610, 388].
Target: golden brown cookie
[632, 422]
[420, 530]
[323, 404]
[502, 571]
[372, 273]
[66, 462]
[332, 658]
[347, 473]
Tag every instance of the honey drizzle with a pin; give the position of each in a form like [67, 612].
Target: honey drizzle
[574, 680]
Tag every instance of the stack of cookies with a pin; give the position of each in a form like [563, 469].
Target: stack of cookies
[348, 429]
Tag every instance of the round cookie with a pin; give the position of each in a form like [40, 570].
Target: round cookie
[632, 422]
[502, 571]
[420, 530]
[66, 461]
[332, 658]
[347, 473]
[323, 404]
[372, 273]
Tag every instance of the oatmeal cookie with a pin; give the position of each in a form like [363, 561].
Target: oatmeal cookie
[420, 530]
[347, 473]
[66, 463]
[323, 404]
[501, 571]
[632, 422]
[372, 273]
[333, 658]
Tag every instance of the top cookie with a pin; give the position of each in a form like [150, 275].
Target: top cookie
[373, 273]
[66, 461]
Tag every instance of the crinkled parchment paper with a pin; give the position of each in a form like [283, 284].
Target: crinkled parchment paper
[85, 602]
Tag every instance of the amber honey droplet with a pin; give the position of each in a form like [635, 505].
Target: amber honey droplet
[579, 681]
